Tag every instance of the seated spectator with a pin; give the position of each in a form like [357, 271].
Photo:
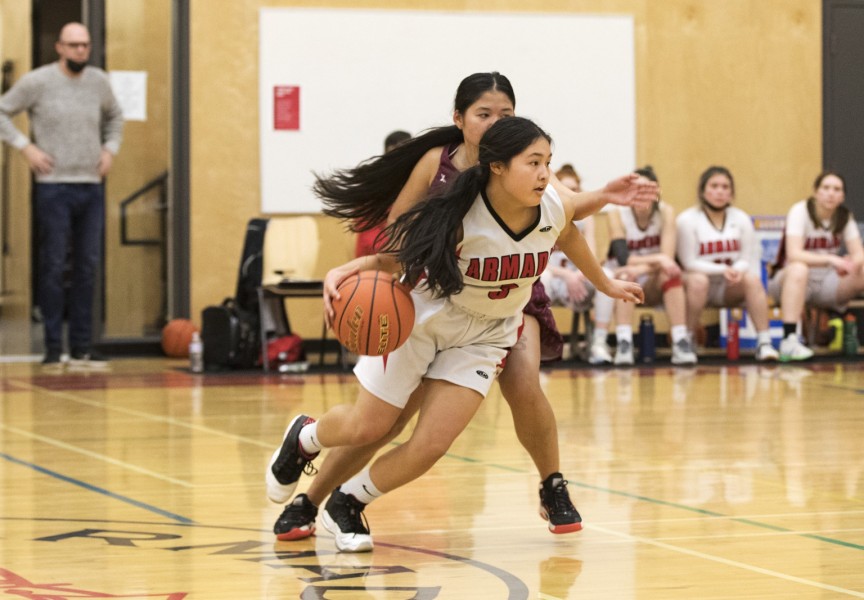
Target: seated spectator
[565, 284]
[721, 258]
[812, 266]
[366, 240]
[642, 249]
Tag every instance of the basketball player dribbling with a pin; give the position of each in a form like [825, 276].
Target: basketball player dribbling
[467, 316]
[387, 186]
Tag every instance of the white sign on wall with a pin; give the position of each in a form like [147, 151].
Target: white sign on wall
[130, 88]
[333, 83]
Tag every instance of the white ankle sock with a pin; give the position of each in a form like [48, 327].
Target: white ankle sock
[309, 439]
[361, 487]
[763, 337]
[624, 333]
[679, 332]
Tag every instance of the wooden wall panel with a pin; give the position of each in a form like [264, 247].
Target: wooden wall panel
[16, 44]
[138, 38]
[736, 82]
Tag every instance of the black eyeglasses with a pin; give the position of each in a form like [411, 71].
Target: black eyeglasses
[76, 45]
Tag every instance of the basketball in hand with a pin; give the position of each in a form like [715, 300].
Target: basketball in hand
[374, 315]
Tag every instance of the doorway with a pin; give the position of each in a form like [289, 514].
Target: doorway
[131, 302]
[843, 89]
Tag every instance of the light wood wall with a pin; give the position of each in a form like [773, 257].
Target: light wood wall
[16, 45]
[138, 39]
[732, 82]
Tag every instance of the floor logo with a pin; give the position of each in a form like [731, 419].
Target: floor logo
[139, 559]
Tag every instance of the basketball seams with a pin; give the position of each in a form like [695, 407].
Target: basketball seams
[369, 317]
[369, 297]
[347, 301]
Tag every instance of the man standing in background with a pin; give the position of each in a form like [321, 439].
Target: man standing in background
[77, 128]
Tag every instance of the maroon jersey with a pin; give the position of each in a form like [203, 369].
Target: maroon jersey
[446, 173]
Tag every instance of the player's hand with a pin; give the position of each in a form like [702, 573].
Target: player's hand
[631, 190]
[332, 280]
[733, 275]
[669, 267]
[627, 291]
[576, 289]
[631, 272]
[106, 159]
[40, 162]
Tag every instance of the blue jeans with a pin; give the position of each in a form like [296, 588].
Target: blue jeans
[68, 213]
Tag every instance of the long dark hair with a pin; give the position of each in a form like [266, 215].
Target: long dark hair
[425, 237]
[648, 172]
[362, 196]
[841, 215]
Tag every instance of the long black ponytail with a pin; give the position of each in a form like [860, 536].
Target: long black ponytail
[425, 237]
[362, 196]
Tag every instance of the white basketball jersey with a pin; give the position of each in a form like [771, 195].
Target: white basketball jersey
[641, 241]
[703, 247]
[818, 239]
[500, 266]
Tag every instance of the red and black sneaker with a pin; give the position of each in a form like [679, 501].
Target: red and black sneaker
[297, 521]
[556, 507]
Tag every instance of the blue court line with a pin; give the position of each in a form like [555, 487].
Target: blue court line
[98, 490]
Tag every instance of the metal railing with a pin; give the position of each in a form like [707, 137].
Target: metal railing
[160, 182]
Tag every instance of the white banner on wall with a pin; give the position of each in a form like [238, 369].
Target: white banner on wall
[333, 83]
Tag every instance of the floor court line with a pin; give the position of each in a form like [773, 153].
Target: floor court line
[185, 424]
[731, 563]
[94, 455]
[143, 415]
[97, 489]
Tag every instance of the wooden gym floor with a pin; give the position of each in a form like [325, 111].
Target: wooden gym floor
[715, 482]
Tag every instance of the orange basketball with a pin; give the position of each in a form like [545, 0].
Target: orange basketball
[375, 315]
[176, 336]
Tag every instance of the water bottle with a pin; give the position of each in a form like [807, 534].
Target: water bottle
[835, 324]
[196, 354]
[850, 335]
[732, 347]
[647, 348]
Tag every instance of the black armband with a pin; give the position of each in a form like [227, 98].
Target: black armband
[618, 250]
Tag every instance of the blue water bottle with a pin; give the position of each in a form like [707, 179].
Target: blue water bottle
[647, 349]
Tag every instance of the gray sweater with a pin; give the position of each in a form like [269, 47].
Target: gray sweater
[71, 119]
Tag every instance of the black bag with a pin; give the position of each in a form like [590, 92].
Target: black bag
[231, 331]
[230, 336]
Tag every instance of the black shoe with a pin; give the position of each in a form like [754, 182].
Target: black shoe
[288, 463]
[87, 358]
[343, 517]
[52, 359]
[297, 521]
[555, 505]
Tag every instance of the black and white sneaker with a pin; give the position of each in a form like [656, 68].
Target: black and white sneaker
[297, 521]
[289, 462]
[53, 361]
[87, 359]
[343, 517]
[556, 507]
